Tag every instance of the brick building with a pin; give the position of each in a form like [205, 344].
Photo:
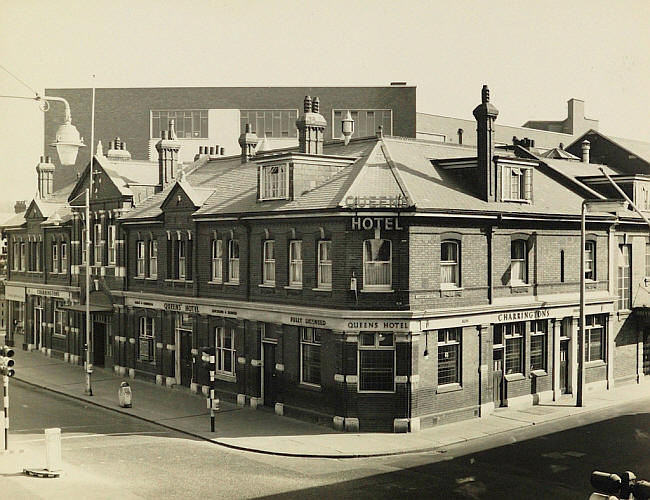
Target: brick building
[373, 283]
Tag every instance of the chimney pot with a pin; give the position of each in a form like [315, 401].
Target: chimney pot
[586, 146]
[110, 145]
[485, 94]
[172, 130]
[200, 150]
[123, 146]
[42, 159]
[223, 151]
[248, 128]
[211, 150]
[307, 104]
[315, 105]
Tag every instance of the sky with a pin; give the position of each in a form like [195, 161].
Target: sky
[533, 55]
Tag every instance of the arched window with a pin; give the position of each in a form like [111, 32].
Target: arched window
[377, 269]
[518, 262]
[450, 263]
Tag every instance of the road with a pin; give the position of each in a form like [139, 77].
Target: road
[107, 455]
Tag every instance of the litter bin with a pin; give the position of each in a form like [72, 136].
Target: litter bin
[124, 394]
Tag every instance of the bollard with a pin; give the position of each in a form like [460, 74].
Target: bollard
[53, 449]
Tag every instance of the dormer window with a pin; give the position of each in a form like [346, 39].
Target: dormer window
[274, 182]
[517, 183]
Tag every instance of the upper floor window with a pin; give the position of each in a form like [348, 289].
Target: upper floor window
[15, 261]
[324, 264]
[625, 276]
[449, 356]
[64, 257]
[450, 263]
[98, 244]
[141, 259]
[366, 122]
[274, 182]
[310, 340]
[189, 123]
[590, 260]
[268, 274]
[377, 269]
[270, 122]
[217, 260]
[376, 362]
[84, 248]
[647, 260]
[233, 261]
[153, 258]
[295, 263]
[23, 256]
[55, 257]
[516, 183]
[111, 244]
[518, 262]
[180, 259]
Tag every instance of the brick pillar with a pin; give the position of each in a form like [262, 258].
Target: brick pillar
[254, 357]
[486, 402]
[351, 419]
[402, 382]
[573, 352]
[555, 358]
[610, 351]
[339, 386]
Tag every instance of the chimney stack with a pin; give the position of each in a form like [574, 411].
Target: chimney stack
[311, 127]
[20, 206]
[117, 151]
[45, 173]
[248, 142]
[586, 146]
[485, 115]
[167, 148]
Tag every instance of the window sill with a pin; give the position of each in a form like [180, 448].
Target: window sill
[516, 200]
[441, 389]
[179, 281]
[59, 335]
[377, 290]
[266, 285]
[446, 287]
[225, 377]
[293, 287]
[375, 392]
[519, 285]
[140, 278]
[513, 377]
[231, 283]
[212, 282]
[310, 387]
[152, 278]
[538, 373]
[595, 363]
[322, 289]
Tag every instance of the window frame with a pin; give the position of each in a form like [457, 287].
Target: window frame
[140, 270]
[539, 330]
[591, 325]
[221, 351]
[624, 300]
[361, 124]
[324, 263]
[308, 341]
[509, 334]
[216, 253]
[98, 244]
[268, 262]
[59, 318]
[152, 249]
[146, 334]
[456, 344]
[591, 269]
[377, 286]
[112, 253]
[523, 262]
[179, 120]
[23, 256]
[271, 188]
[181, 259]
[55, 257]
[455, 264]
[361, 348]
[295, 264]
[524, 183]
[233, 262]
[63, 255]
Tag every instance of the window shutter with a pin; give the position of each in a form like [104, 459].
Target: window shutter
[528, 184]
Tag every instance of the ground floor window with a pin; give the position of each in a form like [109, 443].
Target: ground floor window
[511, 336]
[538, 340]
[59, 318]
[595, 337]
[376, 362]
[225, 352]
[146, 345]
[310, 341]
[449, 356]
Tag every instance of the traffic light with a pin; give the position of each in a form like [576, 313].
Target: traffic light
[6, 361]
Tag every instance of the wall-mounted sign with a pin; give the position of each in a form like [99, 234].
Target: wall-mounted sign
[46, 292]
[398, 201]
[523, 315]
[366, 223]
[306, 321]
[15, 293]
[377, 325]
[181, 307]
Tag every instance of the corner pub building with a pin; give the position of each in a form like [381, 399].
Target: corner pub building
[374, 284]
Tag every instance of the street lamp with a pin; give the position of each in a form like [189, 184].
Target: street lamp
[607, 206]
[67, 139]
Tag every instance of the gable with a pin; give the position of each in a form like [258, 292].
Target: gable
[33, 212]
[104, 186]
[178, 200]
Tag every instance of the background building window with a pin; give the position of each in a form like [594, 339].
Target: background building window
[512, 336]
[189, 123]
[111, 244]
[295, 263]
[273, 182]
[217, 260]
[518, 262]
[233, 261]
[595, 337]
[55, 257]
[366, 122]
[310, 340]
[377, 269]
[225, 351]
[449, 356]
[450, 263]
[517, 183]
[270, 122]
[590, 260]
[538, 339]
[376, 362]
[146, 347]
[140, 267]
[153, 258]
[624, 276]
[324, 264]
[268, 275]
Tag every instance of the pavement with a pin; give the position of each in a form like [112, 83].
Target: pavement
[260, 430]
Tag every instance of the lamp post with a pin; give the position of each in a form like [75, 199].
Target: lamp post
[89, 336]
[608, 206]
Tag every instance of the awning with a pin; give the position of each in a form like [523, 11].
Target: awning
[82, 308]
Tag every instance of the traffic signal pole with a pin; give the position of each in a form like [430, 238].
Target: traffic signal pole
[5, 406]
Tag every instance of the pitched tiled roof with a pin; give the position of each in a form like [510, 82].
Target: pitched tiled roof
[637, 148]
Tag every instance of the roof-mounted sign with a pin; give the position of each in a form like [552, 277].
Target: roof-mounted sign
[396, 201]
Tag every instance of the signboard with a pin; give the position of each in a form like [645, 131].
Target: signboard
[397, 201]
[46, 292]
[366, 223]
[305, 321]
[377, 325]
[15, 293]
[523, 315]
[181, 307]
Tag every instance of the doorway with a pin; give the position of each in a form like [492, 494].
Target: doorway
[497, 378]
[268, 379]
[646, 352]
[99, 343]
[38, 324]
[564, 366]
[185, 356]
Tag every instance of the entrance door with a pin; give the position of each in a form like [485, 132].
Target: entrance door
[269, 374]
[564, 366]
[497, 377]
[99, 343]
[186, 357]
[646, 353]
